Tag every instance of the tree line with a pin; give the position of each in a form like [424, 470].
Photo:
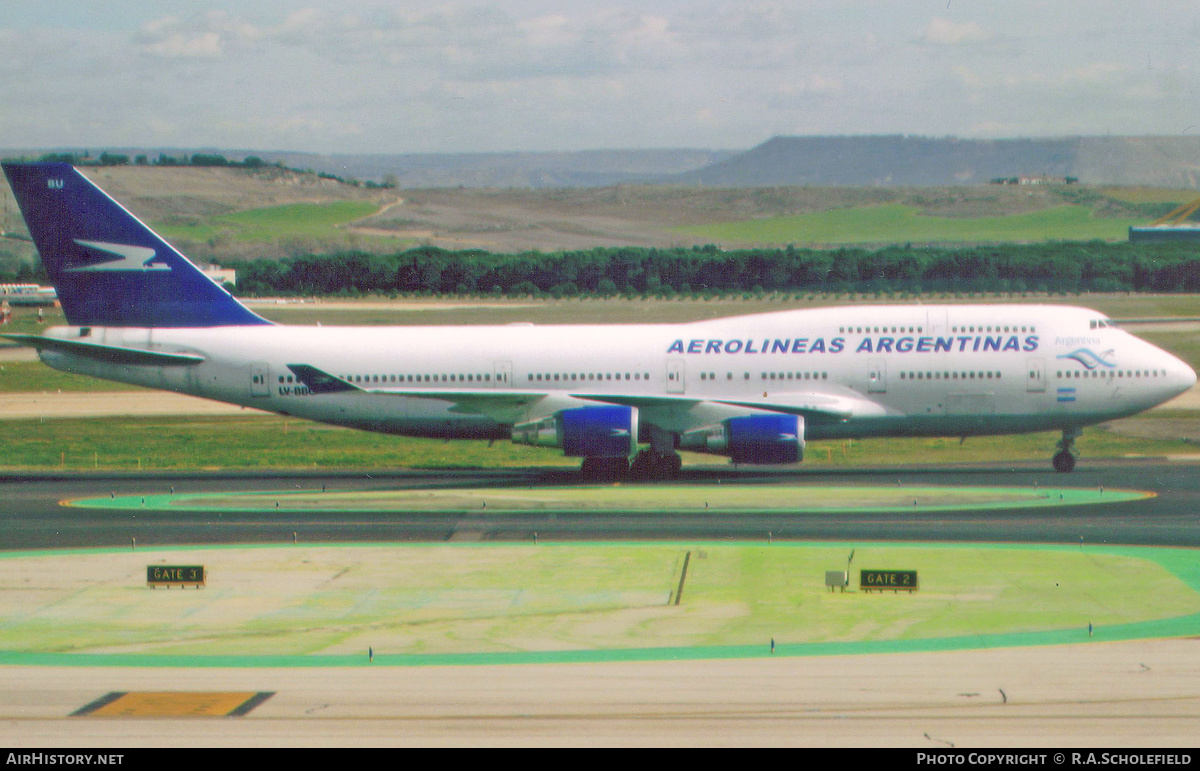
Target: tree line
[251, 162]
[1060, 267]
[85, 158]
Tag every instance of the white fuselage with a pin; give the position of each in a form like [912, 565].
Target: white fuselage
[952, 370]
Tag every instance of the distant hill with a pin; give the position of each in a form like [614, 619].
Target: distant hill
[586, 168]
[589, 168]
[816, 161]
[905, 160]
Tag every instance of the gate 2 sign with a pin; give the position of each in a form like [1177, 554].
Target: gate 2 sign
[880, 580]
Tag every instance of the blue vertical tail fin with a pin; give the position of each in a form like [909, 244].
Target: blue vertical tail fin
[107, 266]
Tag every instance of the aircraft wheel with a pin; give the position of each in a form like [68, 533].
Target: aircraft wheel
[616, 468]
[604, 468]
[1064, 462]
[649, 465]
[642, 466]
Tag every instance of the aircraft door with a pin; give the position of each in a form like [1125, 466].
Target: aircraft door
[1036, 383]
[260, 379]
[876, 376]
[936, 322]
[502, 374]
[675, 375]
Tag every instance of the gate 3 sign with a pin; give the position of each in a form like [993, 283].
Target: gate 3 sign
[879, 580]
[159, 575]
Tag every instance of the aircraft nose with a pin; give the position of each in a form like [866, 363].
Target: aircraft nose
[1187, 376]
[1184, 376]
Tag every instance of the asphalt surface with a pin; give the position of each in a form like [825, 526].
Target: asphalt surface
[31, 515]
[1108, 694]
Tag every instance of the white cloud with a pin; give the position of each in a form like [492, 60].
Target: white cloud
[200, 45]
[948, 33]
[550, 30]
[205, 36]
[443, 75]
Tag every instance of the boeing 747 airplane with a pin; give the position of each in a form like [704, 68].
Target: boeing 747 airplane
[753, 388]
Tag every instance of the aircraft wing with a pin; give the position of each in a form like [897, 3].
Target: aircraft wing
[811, 404]
[501, 405]
[680, 412]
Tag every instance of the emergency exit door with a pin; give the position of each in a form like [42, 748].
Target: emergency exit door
[675, 383]
[1036, 382]
[876, 376]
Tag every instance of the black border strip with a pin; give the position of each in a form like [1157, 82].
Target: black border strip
[251, 703]
[103, 701]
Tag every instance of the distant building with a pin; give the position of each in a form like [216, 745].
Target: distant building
[28, 294]
[1172, 226]
[220, 275]
[1158, 233]
[1035, 180]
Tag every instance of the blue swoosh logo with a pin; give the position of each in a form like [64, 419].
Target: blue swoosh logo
[1089, 358]
[127, 258]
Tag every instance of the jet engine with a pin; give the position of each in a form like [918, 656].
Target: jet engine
[603, 431]
[752, 439]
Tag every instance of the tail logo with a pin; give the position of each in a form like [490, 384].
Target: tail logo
[130, 258]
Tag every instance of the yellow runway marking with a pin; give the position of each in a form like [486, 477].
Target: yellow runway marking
[174, 704]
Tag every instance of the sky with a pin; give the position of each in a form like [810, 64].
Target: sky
[366, 76]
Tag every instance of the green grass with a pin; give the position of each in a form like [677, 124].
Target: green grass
[35, 377]
[1022, 448]
[299, 220]
[732, 499]
[1137, 195]
[249, 442]
[963, 591]
[272, 442]
[439, 599]
[897, 223]
[1185, 344]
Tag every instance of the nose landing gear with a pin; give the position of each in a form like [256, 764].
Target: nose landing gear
[1064, 459]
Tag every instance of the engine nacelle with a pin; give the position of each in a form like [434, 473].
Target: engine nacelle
[752, 439]
[603, 431]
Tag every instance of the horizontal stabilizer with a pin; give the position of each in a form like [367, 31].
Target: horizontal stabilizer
[110, 353]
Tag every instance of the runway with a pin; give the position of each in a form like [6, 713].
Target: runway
[33, 517]
[1111, 694]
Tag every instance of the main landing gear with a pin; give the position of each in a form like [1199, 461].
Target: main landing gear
[647, 465]
[1064, 459]
[604, 468]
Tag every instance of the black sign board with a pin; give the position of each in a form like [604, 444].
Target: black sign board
[880, 580]
[192, 575]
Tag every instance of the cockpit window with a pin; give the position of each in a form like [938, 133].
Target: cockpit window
[1100, 323]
